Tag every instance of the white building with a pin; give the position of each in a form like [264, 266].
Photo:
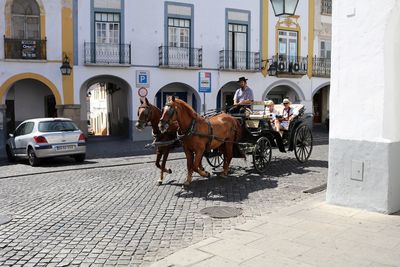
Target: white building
[365, 135]
[108, 42]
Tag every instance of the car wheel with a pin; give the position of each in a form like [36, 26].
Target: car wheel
[33, 160]
[80, 157]
[10, 156]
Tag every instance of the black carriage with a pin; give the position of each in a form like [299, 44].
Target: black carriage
[259, 137]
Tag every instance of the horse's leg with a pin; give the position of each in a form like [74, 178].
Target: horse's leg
[189, 163]
[228, 157]
[197, 163]
[158, 158]
[164, 160]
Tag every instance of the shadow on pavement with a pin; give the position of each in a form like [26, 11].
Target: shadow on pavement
[244, 181]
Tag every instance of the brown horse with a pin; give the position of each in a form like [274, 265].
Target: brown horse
[148, 113]
[198, 134]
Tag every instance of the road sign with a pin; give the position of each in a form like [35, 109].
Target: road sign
[142, 78]
[205, 82]
[142, 92]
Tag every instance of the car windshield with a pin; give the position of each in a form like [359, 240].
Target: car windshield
[57, 126]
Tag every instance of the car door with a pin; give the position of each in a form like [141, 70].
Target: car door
[25, 137]
[16, 142]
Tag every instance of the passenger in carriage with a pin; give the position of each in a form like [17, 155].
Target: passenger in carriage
[243, 97]
[288, 115]
[273, 112]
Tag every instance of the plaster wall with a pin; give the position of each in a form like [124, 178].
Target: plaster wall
[29, 99]
[363, 171]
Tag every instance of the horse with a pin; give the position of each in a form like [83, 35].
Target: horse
[198, 134]
[147, 113]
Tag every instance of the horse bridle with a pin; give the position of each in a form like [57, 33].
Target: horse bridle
[146, 113]
[170, 113]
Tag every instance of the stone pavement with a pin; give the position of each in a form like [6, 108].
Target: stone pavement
[117, 216]
[311, 233]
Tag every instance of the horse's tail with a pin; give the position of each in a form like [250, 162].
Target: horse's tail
[238, 130]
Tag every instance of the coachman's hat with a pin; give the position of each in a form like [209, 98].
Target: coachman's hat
[242, 79]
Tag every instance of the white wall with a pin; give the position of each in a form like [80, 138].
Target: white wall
[365, 130]
[29, 99]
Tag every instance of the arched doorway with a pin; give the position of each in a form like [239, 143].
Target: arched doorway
[321, 104]
[226, 94]
[105, 106]
[279, 92]
[180, 90]
[27, 99]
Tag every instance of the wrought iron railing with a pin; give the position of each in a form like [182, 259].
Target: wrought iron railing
[97, 53]
[290, 65]
[326, 7]
[24, 49]
[180, 57]
[239, 60]
[321, 67]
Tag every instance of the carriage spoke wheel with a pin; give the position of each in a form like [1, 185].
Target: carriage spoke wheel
[303, 143]
[216, 159]
[262, 154]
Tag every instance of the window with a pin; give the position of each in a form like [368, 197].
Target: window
[25, 20]
[237, 46]
[107, 28]
[326, 7]
[57, 126]
[325, 49]
[179, 32]
[288, 45]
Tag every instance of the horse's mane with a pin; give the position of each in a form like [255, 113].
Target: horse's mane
[185, 105]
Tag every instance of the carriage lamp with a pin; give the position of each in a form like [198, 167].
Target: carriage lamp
[66, 67]
[284, 7]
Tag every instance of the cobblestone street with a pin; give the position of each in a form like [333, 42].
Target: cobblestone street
[119, 216]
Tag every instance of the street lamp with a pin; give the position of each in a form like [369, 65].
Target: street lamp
[272, 69]
[284, 7]
[66, 67]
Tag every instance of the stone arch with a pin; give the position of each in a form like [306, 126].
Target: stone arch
[182, 86]
[288, 83]
[320, 87]
[8, 83]
[118, 99]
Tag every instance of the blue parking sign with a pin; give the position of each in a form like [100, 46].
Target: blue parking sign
[142, 78]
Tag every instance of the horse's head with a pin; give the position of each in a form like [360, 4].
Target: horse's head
[144, 114]
[169, 114]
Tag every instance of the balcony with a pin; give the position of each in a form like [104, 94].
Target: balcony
[326, 7]
[293, 66]
[107, 54]
[239, 60]
[321, 67]
[24, 49]
[180, 57]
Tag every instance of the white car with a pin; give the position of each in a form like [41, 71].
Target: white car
[44, 138]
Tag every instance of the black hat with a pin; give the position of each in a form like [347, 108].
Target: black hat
[242, 79]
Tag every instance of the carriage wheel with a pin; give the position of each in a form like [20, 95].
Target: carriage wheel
[262, 154]
[303, 143]
[216, 159]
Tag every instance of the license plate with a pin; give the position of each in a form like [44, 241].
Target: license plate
[65, 148]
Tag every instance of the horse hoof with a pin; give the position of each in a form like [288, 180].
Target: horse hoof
[159, 182]
[169, 171]
[208, 174]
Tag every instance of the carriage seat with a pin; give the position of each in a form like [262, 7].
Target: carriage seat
[266, 115]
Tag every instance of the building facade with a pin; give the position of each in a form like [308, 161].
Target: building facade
[109, 43]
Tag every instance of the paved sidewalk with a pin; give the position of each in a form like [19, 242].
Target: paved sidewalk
[311, 233]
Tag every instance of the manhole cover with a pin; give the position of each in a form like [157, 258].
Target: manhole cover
[221, 212]
[4, 219]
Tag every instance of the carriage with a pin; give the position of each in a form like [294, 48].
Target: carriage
[259, 137]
